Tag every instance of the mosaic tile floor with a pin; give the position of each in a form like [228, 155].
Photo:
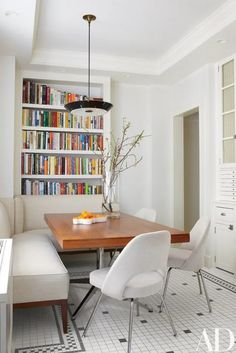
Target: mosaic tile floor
[39, 330]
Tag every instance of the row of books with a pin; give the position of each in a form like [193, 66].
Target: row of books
[43, 118]
[48, 140]
[37, 93]
[36, 187]
[36, 164]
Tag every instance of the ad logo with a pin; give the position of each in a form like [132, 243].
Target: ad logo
[222, 340]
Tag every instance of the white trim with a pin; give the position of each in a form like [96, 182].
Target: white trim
[71, 59]
[213, 24]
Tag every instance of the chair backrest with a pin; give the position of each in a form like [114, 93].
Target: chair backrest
[147, 213]
[198, 238]
[197, 233]
[144, 253]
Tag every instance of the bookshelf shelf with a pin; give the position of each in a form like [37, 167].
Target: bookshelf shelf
[58, 144]
[58, 129]
[62, 152]
[83, 177]
[43, 107]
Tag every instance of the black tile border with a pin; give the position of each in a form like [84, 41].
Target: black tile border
[54, 347]
[219, 281]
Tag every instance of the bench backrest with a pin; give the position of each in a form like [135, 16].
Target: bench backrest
[6, 216]
[30, 210]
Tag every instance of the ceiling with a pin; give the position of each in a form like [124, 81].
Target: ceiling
[153, 41]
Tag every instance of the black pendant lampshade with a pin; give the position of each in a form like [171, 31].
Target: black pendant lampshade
[88, 107]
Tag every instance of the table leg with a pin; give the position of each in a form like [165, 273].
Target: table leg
[92, 289]
[101, 257]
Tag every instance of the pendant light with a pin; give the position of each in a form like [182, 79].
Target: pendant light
[88, 107]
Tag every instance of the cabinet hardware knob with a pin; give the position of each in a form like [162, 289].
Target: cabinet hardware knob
[223, 214]
[231, 227]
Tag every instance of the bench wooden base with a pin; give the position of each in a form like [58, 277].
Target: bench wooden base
[63, 303]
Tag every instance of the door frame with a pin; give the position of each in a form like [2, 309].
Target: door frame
[178, 168]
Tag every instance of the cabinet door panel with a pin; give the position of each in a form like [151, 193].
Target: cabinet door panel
[228, 73]
[226, 247]
[224, 215]
[228, 99]
[229, 151]
[228, 125]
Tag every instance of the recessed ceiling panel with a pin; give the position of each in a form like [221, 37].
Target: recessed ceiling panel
[133, 28]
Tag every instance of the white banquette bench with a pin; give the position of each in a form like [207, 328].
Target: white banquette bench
[39, 276]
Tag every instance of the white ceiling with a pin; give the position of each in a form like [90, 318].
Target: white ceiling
[135, 40]
[133, 28]
[17, 19]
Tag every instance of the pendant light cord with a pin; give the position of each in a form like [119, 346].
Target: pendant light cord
[89, 22]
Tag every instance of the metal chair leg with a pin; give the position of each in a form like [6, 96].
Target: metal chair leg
[137, 308]
[165, 288]
[131, 317]
[84, 301]
[199, 282]
[205, 291]
[97, 259]
[92, 315]
[169, 316]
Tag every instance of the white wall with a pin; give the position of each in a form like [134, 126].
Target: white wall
[197, 90]
[7, 114]
[131, 102]
[159, 101]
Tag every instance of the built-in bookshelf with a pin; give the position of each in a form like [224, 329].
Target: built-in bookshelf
[60, 153]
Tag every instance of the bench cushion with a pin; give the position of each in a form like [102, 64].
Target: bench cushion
[38, 272]
[48, 233]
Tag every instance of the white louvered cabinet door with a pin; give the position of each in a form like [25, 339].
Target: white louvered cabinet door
[227, 183]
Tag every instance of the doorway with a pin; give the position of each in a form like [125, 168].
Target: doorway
[186, 169]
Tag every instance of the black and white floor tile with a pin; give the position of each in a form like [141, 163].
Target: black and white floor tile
[38, 330]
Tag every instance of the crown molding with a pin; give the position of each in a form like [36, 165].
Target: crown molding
[213, 24]
[71, 59]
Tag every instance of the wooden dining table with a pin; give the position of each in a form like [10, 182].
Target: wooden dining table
[114, 233]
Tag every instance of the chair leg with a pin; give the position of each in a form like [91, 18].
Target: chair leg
[169, 316]
[64, 315]
[92, 315]
[131, 317]
[97, 259]
[165, 288]
[199, 282]
[83, 302]
[205, 291]
[137, 308]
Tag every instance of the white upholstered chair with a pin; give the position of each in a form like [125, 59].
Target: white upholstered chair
[190, 256]
[147, 213]
[135, 273]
